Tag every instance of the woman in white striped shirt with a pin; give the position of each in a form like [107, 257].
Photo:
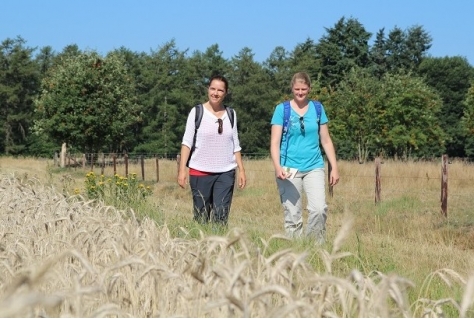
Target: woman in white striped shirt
[214, 157]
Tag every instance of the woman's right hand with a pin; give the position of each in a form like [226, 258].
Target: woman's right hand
[280, 173]
[182, 169]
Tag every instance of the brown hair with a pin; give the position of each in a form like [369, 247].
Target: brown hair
[220, 78]
[301, 77]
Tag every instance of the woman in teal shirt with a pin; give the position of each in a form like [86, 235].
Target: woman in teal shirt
[298, 162]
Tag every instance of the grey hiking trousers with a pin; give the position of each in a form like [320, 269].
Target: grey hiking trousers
[291, 192]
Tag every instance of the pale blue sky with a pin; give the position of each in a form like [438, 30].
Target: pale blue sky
[262, 25]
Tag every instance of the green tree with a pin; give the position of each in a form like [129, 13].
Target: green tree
[304, 58]
[204, 65]
[18, 86]
[378, 55]
[343, 47]
[279, 68]
[88, 102]
[253, 101]
[39, 144]
[396, 117]
[411, 118]
[451, 78]
[418, 42]
[356, 110]
[70, 50]
[135, 64]
[45, 60]
[405, 50]
[467, 122]
[170, 84]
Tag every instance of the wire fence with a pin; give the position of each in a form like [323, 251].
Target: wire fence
[370, 182]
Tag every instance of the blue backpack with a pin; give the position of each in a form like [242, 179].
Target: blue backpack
[286, 120]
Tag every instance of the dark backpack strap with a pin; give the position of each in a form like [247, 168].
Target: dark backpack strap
[317, 106]
[286, 116]
[230, 114]
[198, 117]
[287, 110]
[286, 122]
[197, 122]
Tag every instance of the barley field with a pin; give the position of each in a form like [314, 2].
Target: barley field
[65, 255]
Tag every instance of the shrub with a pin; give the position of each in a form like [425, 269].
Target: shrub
[118, 191]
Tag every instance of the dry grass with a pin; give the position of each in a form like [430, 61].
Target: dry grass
[63, 256]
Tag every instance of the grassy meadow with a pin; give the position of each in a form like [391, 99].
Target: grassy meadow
[63, 254]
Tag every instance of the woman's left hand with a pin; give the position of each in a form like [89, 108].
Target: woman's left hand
[242, 179]
[334, 177]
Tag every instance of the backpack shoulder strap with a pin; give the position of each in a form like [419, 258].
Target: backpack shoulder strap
[198, 116]
[286, 115]
[230, 114]
[317, 106]
[200, 112]
[197, 122]
[286, 122]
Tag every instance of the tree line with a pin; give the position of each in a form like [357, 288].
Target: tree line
[385, 96]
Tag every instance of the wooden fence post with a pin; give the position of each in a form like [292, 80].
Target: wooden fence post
[114, 160]
[91, 156]
[378, 188]
[142, 162]
[444, 185]
[56, 159]
[125, 158]
[103, 164]
[331, 188]
[178, 160]
[157, 169]
[62, 157]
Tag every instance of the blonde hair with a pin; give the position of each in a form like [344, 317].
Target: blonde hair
[301, 77]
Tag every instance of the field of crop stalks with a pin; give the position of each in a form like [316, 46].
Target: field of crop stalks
[64, 255]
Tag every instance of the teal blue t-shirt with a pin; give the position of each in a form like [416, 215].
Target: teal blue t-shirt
[303, 151]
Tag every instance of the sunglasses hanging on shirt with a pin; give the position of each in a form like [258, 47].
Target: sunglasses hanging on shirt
[302, 124]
